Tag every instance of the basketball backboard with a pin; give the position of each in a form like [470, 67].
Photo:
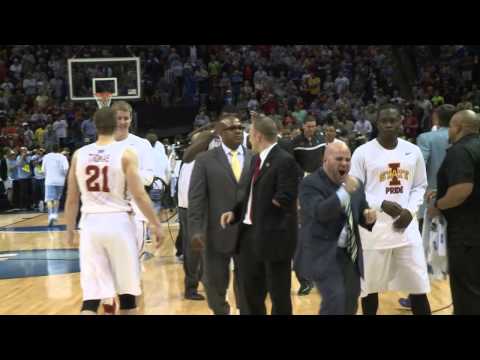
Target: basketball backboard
[119, 76]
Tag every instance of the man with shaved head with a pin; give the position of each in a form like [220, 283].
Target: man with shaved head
[219, 179]
[458, 199]
[333, 205]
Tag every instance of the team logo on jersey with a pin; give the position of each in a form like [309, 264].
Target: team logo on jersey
[393, 176]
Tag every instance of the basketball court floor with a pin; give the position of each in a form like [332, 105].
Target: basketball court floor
[39, 275]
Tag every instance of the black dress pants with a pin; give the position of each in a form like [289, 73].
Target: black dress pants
[257, 277]
[464, 268]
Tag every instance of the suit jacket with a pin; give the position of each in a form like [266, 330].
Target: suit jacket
[433, 145]
[274, 228]
[213, 191]
[323, 220]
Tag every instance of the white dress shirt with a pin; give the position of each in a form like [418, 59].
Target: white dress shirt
[263, 155]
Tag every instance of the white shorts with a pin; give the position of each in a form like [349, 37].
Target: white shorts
[398, 269]
[141, 235]
[109, 263]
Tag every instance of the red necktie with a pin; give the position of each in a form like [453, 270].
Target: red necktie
[256, 172]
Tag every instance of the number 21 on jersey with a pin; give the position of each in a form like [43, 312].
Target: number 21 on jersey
[97, 179]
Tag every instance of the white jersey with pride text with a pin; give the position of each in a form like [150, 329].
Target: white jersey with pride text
[145, 164]
[397, 175]
[101, 179]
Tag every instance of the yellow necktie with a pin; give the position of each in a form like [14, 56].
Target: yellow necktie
[236, 168]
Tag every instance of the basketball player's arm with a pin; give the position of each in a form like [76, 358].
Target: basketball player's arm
[358, 170]
[136, 187]
[200, 144]
[416, 196]
[419, 186]
[72, 202]
[368, 217]
[43, 167]
[146, 164]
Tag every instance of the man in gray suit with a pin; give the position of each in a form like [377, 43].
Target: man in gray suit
[333, 205]
[433, 145]
[219, 180]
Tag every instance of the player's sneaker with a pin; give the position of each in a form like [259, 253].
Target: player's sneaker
[405, 302]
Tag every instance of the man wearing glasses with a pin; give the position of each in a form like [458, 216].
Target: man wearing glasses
[220, 179]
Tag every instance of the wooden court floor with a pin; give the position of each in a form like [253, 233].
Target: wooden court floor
[162, 281]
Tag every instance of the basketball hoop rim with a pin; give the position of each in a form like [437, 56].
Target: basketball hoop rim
[103, 98]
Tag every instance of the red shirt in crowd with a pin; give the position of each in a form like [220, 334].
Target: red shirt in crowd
[247, 73]
[270, 107]
[410, 126]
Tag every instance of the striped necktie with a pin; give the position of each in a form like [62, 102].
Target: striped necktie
[236, 168]
[352, 247]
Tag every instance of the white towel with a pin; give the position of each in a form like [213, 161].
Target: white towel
[434, 234]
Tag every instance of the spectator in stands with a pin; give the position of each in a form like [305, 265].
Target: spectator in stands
[410, 125]
[253, 104]
[437, 99]
[425, 107]
[201, 119]
[330, 134]
[60, 127]
[28, 135]
[89, 132]
[341, 83]
[49, 138]
[363, 127]
[16, 69]
[29, 85]
[39, 136]
[42, 99]
[313, 86]
[22, 190]
[300, 113]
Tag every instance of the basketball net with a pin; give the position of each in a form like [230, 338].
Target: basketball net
[103, 99]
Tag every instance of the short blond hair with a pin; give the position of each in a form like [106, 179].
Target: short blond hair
[266, 126]
[122, 106]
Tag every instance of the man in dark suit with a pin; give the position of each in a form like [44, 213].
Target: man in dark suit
[268, 220]
[220, 178]
[333, 205]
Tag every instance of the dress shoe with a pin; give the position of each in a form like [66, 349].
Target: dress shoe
[194, 296]
[405, 302]
[305, 288]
